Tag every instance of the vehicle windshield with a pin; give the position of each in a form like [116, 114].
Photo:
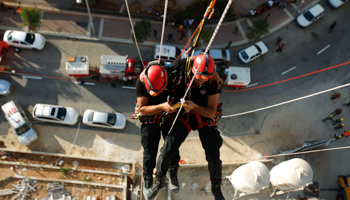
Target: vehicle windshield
[22, 129]
[138, 67]
[112, 118]
[308, 16]
[9, 36]
[258, 48]
[224, 56]
[30, 37]
[244, 55]
[61, 114]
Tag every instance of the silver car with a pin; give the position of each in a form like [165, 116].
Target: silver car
[5, 87]
[104, 119]
[55, 114]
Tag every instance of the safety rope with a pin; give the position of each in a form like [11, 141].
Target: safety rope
[290, 101]
[182, 101]
[306, 152]
[133, 32]
[163, 28]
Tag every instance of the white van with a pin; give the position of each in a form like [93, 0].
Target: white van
[311, 15]
[168, 53]
[19, 122]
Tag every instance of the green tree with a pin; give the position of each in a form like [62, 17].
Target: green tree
[259, 28]
[142, 30]
[31, 17]
[207, 32]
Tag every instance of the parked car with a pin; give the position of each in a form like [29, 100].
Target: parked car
[337, 3]
[311, 15]
[5, 87]
[21, 39]
[104, 119]
[168, 53]
[55, 114]
[253, 52]
[19, 122]
[220, 56]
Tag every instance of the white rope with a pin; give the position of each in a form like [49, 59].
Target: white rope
[133, 31]
[205, 53]
[290, 101]
[163, 28]
[306, 152]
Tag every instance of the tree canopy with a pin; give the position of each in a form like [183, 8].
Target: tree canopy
[259, 28]
[31, 17]
[142, 30]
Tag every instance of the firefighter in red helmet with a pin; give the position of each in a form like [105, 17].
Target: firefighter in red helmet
[157, 75]
[202, 103]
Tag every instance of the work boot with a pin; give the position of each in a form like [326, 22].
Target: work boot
[158, 185]
[171, 174]
[216, 190]
[147, 180]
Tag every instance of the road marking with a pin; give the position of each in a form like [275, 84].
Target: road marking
[283, 73]
[32, 77]
[85, 83]
[128, 87]
[318, 53]
[251, 85]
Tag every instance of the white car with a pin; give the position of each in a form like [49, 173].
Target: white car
[21, 39]
[253, 52]
[311, 15]
[19, 122]
[104, 119]
[5, 87]
[55, 114]
[220, 56]
[337, 3]
[168, 53]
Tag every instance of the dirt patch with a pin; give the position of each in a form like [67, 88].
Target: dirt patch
[87, 177]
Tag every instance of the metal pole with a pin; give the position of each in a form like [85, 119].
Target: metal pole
[90, 18]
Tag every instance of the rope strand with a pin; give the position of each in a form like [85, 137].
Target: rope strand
[205, 53]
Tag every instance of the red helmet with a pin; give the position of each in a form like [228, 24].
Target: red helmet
[155, 79]
[206, 69]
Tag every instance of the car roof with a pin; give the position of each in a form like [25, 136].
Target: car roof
[100, 116]
[44, 110]
[316, 10]
[167, 50]
[251, 50]
[4, 85]
[262, 47]
[215, 53]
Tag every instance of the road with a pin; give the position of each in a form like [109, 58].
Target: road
[280, 128]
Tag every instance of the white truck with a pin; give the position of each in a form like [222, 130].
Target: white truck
[238, 77]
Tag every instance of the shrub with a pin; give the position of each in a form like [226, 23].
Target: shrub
[142, 30]
[30, 17]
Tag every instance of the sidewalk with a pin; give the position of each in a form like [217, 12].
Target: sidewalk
[63, 23]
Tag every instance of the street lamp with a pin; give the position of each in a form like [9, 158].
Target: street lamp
[90, 18]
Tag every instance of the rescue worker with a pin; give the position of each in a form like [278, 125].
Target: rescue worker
[330, 117]
[201, 106]
[152, 102]
[337, 121]
[155, 97]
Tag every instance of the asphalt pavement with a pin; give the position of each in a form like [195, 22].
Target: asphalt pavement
[278, 130]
